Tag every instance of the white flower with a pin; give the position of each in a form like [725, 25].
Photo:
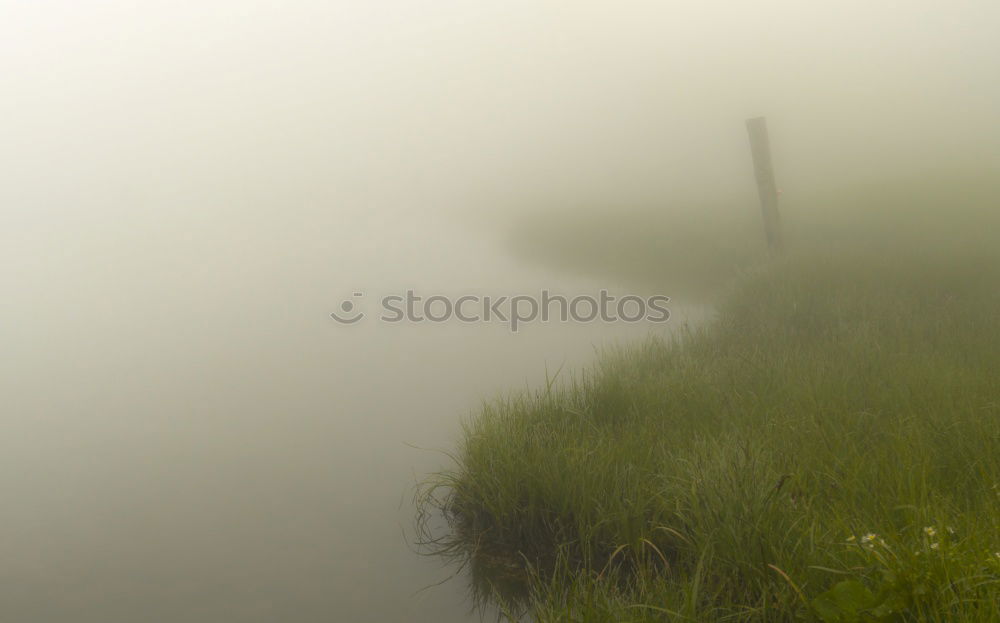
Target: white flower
[930, 531]
[935, 545]
[866, 540]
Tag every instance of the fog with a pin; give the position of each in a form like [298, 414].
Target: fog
[189, 189]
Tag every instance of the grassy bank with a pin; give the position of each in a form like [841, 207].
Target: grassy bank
[700, 249]
[828, 448]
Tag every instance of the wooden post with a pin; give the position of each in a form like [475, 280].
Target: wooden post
[760, 148]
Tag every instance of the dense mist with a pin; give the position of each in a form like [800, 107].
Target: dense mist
[188, 189]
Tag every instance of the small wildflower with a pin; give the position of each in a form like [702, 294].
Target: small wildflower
[930, 531]
[935, 545]
[850, 539]
[866, 540]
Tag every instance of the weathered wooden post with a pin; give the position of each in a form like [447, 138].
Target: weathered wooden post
[760, 148]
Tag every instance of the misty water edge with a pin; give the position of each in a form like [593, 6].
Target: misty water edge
[190, 437]
[189, 190]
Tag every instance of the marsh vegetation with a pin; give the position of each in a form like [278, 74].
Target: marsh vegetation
[826, 448]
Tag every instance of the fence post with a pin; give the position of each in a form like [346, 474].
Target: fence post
[760, 149]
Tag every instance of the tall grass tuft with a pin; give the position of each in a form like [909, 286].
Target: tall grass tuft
[827, 448]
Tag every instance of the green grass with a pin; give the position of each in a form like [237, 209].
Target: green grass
[735, 471]
[699, 250]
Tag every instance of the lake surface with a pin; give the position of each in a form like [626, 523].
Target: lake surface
[189, 436]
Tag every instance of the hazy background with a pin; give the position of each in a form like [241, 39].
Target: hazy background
[189, 188]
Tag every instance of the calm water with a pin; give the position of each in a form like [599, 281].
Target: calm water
[189, 437]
